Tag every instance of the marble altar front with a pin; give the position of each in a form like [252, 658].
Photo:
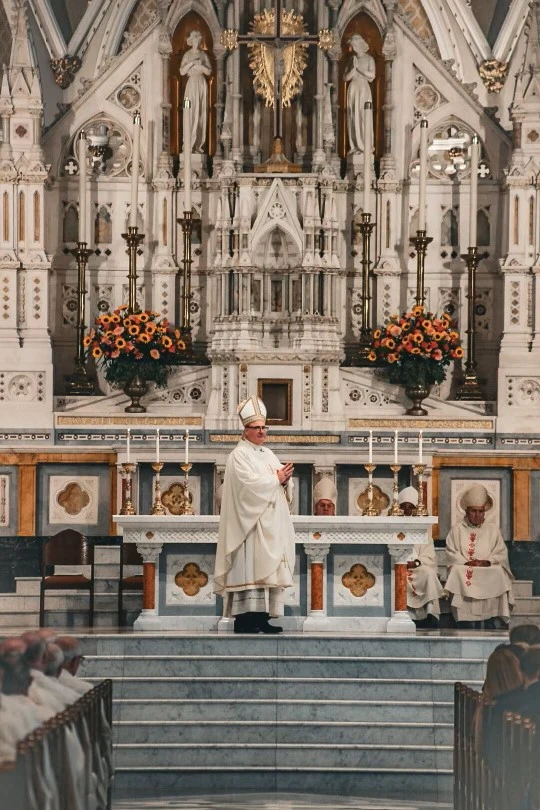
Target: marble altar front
[350, 573]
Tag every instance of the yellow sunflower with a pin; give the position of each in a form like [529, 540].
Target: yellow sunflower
[372, 356]
[166, 341]
[144, 338]
[96, 352]
[120, 343]
[133, 329]
[87, 341]
[144, 317]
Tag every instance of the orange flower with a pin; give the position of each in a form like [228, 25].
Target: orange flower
[96, 352]
[118, 330]
[144, 338]
[458, 352]
[417, 337]
[104, 319]
[150, 328]
[166, 341]
[392, 358]
[115, 318]
[436, 355]
[377, 333]
[154, 353]
[181, 345]
[177, 333]
[417, 310]
[133, 330]
[406, 327]
[426, 324]
[120, 343]
[87, 341]
[394, 330]
[144, 317]
[372, 356]
[454, 335]
[416, 350]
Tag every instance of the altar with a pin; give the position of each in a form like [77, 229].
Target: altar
[350, 573]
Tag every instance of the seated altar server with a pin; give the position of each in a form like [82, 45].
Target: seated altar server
[73, 656]
[324, 497]
[423, 587]
[255, 551]
[479, 577]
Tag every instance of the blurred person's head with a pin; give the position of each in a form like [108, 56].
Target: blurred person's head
[530, 665]
[71, 649]
[12, 648]
[35, 649]
[525, 634]
[16, 678]
[503, 673]
[53, 660]
[518, 650]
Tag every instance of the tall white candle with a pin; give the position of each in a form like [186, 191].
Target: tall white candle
[186, 460]
[128, 441]
[395, 447]
[423, 176]
[135, 170]
[475, 158]
[82, 186]
[370, 447]
[187, 155]
[157, 445]
[420, 454]
[368, 149]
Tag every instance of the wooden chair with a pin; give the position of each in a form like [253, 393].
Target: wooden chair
[128, 556]
[66, 548]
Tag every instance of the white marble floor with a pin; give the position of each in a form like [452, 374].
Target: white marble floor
[275, 801]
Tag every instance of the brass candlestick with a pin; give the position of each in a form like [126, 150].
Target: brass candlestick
[187, 506]
[364, 342]
[370, 510]
[133, 239]
[127, 505]
[157, 507]
[79, 383]
[395, 510]
[189, 355]
[420, 510]
[420, 242]
[469, 390]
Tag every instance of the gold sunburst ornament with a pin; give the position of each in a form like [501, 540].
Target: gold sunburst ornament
[262, 56]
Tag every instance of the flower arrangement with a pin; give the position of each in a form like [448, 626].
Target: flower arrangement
[416, 347]
[128, 343]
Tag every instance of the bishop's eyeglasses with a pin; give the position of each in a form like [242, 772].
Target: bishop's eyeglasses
[261, 429]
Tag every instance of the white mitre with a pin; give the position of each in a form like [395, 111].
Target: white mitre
[408, 495]
[476, 495]
[325, 490]
[251, 409]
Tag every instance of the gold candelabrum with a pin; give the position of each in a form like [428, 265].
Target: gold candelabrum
[79, 383]
[127, 504]
[185, 315]
[470, 390]
[157, 506]
[364, 343]
[395, 510]
[420, 242]
[187, 506]
[133, 240]
[420, 510]
[370, 510]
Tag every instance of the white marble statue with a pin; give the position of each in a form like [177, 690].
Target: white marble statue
[360, 71]
[196, 66]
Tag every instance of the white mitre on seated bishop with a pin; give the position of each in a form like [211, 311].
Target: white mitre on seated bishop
[408, 495]
[325, 490]
[250, 410]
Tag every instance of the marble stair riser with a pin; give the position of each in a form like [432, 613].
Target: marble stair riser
[279, 756]
[523, 587]
[193, 689]
[527, 605]
[524, 618]
[307, 710]
[283, 733]
[66, 619]
[29, 586]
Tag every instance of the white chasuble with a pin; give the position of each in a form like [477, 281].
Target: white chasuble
[256, 541]
[423, 587]
[478, 593]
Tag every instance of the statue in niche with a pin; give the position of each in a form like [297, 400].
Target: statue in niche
[360, 71]
[196, 66]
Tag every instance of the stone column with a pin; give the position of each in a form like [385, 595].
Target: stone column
[400, 622]
[316, 619]
[148, 618]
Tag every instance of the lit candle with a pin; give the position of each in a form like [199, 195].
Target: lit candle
[157, 446]
[186, 461]
[187, 155]
[420, 456]
[135, 170]
[370, 447]
[127, 445]
[423, 176]
[368, 115]
[475, 157]
[395, 447]
[82, 186]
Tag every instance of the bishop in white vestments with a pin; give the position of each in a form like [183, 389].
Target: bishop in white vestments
[423, 587]
[479, 577]
[256, 544]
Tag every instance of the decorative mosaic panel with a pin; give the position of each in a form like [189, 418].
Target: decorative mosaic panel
[382, 494]
[358, 581]
[73, 500]
[172, 493]
[189, 579]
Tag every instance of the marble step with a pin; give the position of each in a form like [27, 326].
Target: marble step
[29, 586]
[162, 674]
[315, 647]
[523, 587]
[155, 709]
[186, 755]
[68, 600]
[286, 731]
[527, 605]
[524, 618]
[298, 688]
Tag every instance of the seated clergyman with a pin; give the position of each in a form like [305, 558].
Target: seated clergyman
[479, 577]
[324, 497]
[423, 587]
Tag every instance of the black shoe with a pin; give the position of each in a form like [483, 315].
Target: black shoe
[266, 627]
[247, 623]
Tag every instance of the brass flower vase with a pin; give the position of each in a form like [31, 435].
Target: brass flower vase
[417, 393]
[135, 389]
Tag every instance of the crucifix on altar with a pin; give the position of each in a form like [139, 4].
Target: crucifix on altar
[278, 43]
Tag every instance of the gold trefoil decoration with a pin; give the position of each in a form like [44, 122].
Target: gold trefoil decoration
[493, 73]
[262, 56]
